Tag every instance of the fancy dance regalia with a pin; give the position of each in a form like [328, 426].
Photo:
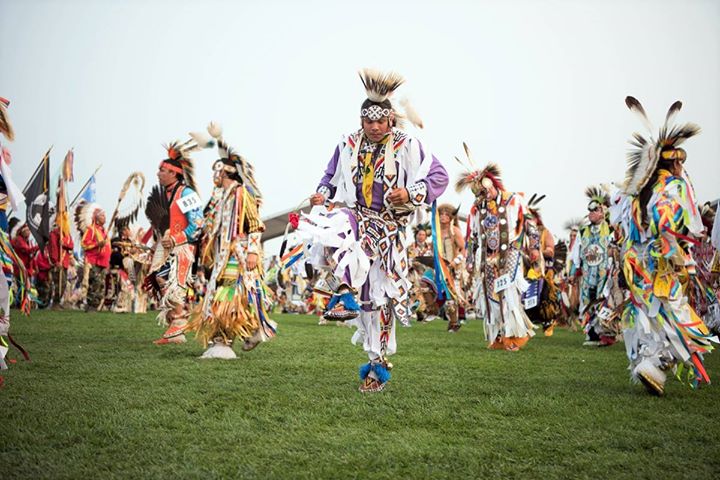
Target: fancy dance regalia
[593, 264]
[382, 175]
[235, 305]
[499, 222]
[660, 220]
[175, 214]
[9, 194]
[541, 299]
[704, 285]
[90, 222]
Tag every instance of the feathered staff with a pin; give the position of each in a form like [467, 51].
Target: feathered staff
[6, 127]
[129, 202]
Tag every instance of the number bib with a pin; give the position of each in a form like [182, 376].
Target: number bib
[531, 302]
[605, 313]
[502, 282]
[189, 202]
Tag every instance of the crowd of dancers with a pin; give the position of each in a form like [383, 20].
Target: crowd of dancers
[641, 266]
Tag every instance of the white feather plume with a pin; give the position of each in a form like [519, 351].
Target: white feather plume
[636, 107]
[215, 130]
[201, 140]
[410, 113]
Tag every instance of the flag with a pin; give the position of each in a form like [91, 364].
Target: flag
[88, 193]
[38, 209]
[62, 219]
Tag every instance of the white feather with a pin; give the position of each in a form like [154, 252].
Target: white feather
[202, 140]
[412, 115]
[215, 130]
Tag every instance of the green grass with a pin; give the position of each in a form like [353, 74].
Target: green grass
[99, 400]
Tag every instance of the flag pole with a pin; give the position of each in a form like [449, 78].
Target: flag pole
[42, 161]
[82, 189]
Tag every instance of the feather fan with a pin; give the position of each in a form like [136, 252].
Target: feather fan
[157, 210]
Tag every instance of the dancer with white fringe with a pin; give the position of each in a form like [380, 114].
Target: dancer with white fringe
[382, 175]
[499, 222]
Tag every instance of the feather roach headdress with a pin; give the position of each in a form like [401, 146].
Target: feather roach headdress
[478, 180]
[234, 163]
[574, 224]
[5, 125]
[422, 226]
[598, 197]
[379, 87]
[642, 160]
[178, 156]
[534, 207]
[84, 214]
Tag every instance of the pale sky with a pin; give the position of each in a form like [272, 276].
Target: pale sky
[536, 86]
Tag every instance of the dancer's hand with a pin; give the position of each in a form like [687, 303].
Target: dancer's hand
[251, 261]
[317, 199]
[399, 196]
[167, 241]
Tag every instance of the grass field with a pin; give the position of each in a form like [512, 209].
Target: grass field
[99, 400]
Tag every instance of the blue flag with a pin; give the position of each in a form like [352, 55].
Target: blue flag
[88, 193]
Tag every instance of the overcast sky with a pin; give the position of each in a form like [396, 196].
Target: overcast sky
[536, 86]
